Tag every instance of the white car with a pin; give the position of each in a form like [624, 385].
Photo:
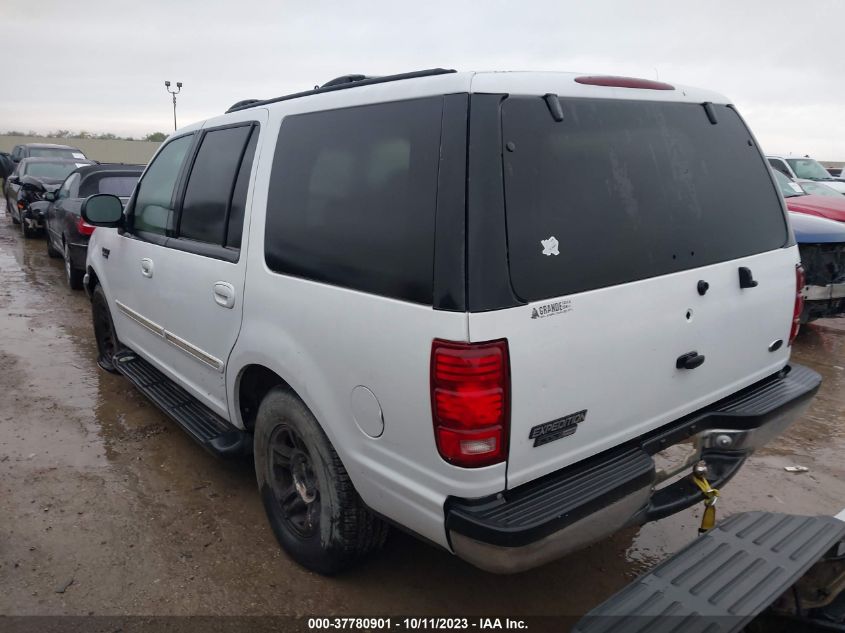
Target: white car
[474, 305]
[805, 168]
[818, 188]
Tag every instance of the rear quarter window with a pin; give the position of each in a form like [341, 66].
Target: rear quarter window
[352, 198]
[629, 190]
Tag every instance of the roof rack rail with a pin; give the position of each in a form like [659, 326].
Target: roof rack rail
[341, 83]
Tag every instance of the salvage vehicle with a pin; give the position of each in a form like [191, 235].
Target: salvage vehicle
[46, 150]
[32, 178]
[67, 233]
[822, 246]
[799, 201]
[389, 290]
[806, 168]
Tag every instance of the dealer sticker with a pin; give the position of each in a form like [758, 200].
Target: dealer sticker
[551, 309]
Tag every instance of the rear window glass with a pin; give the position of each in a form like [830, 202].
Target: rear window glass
[55, 152]
[57, 171]
[626, 190]
[352, 198]
[116, 184]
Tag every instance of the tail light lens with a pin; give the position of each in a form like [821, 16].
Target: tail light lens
[21, 205]
[470, 401]
[83, 228]
[800, 280]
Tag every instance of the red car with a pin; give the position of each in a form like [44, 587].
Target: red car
[798, 201]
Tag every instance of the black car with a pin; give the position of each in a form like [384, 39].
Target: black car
[67, 232]
[46, 150]
[32, 178]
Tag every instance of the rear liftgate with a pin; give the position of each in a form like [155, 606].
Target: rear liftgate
[756, 571]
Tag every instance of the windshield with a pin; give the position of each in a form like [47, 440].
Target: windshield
[788, 188]
[55, 152]
[808, 168]
[819, 189]
[118, 184]
[58, 171]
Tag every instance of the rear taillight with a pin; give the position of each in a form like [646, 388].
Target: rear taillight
[83, 228]
[799, 302]
[470, 401]
[21, 205]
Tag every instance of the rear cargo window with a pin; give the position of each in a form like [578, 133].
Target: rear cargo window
[626, 190]
[352, 198]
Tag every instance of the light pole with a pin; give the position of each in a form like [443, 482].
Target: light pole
[174, 93]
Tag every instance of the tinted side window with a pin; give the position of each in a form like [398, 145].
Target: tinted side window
[68, 186]
[780, 166]
[210, 185]
[236, 214]
[353, 195]
[153, 204]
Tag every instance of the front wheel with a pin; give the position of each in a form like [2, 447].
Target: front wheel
[104, 334]
[314, 511]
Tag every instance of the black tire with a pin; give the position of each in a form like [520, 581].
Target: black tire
[14, 219]
[104, 334]
[74, 275]
[295, 461]
[52, 252]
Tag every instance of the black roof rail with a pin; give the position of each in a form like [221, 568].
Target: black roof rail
[341, 83]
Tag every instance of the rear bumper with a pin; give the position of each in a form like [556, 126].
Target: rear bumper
[583, 503]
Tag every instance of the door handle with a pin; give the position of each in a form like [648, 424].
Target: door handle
[224, 294]
[690, 360]
[147, 267]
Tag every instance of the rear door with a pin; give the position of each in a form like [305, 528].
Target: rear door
[627, 223]
[199, 271]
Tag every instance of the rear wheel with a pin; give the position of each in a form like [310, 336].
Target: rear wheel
[104, 334]
[314, 511]
[74, 275]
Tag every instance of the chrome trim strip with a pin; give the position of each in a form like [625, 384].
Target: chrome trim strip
[141, 320]
[193, 351]
[179, 343]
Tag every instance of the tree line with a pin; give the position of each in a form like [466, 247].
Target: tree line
[156, 137]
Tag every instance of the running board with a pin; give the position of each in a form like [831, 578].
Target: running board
[722, 580]
[206, 427]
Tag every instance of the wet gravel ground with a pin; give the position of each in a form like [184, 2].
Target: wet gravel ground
[107, 508]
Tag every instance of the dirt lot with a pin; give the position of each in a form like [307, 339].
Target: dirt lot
[108, 508]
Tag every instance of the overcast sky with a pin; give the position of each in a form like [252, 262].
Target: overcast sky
[100, 65]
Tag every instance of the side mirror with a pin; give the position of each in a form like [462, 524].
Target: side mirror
[103, 209]
[50, 196]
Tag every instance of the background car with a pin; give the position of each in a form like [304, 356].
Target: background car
[822, 246]
[67, 232]
[798, 201]
[818, 188]
[805, 167]
[32, 178]
[46, 150]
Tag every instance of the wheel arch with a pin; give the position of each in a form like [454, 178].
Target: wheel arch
[254, 381]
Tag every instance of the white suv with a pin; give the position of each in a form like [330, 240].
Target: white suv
[475, 305]
[805, 168]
